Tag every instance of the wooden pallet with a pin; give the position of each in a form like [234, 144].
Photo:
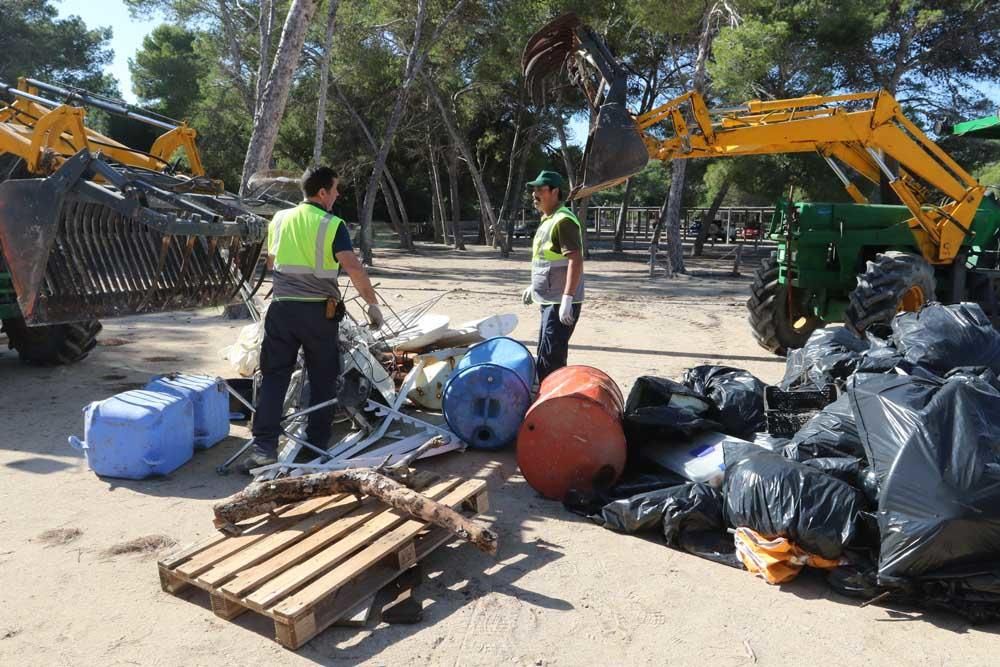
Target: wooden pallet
[307, 565]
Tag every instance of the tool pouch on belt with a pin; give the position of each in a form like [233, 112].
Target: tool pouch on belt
[335, 309]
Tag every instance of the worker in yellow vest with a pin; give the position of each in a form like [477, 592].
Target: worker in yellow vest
[307, 246]
[556, 272]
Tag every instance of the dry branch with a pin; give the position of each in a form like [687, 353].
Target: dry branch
[262, 497]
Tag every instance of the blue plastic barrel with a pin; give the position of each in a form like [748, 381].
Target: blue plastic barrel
[210, 399]
[485, 399]
[137, 434]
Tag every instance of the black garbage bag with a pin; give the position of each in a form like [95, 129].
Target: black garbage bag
[737, 396]
[772, 443]
[830, 354]
[831, 432]
[974, 595]
[659, 408]
[632, 483]
[639, 513]
[781, 498]
[689, 515]
[844, 468]
[880, 357]
[985, 374]
[935, 448]
[945, 337]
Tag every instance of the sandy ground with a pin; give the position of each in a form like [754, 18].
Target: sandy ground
[75, 588]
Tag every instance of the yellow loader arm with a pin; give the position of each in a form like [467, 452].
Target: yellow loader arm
[856, 130]
[45, 134]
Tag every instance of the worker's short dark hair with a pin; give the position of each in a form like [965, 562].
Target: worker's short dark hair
[317, 178]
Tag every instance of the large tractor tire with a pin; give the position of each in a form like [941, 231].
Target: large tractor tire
[893, 283]
[54, 344]
[778, 322]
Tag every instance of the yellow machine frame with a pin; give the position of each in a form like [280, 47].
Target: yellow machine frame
[856, 130]
[45, 138]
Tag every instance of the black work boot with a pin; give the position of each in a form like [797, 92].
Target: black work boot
[255, 458]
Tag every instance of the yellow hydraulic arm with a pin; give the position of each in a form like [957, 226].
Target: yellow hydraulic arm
[856, 130]
[859, 130]
[46, 135]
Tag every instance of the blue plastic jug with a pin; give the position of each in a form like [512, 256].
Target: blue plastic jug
[137, 434]
[210, 399]
[485, 399]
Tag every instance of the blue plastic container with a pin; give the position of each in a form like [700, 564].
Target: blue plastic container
[485, 399]
[210, 399]
[137, 434]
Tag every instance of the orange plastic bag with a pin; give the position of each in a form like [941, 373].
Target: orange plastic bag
[776, 560]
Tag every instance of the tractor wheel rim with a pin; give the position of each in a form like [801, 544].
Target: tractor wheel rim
[912, 300]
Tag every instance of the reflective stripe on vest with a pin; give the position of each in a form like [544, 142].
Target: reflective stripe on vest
[273, 230]
[302, 242]
[542, 245]
[550, 269]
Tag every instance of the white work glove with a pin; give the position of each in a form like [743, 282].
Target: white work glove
[526, 297]
[375, 319]
[566, 310]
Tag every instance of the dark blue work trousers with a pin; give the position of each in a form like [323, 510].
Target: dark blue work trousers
[553, 340]
[288, 326]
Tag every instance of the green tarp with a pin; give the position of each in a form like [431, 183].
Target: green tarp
[986, 128]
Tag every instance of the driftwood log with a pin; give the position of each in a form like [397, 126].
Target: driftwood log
[262, 497]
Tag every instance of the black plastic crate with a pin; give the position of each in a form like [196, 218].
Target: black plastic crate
[788, 411]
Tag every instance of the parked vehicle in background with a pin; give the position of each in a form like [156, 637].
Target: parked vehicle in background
[716, 231]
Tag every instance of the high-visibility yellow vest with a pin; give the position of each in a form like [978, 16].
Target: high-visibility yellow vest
[550, 269]
[301, 241]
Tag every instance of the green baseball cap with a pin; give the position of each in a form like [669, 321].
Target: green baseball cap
[550, 178]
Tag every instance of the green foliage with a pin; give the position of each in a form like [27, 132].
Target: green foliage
[39, 45]
[989, 175]
[166, 71]
[202, 66]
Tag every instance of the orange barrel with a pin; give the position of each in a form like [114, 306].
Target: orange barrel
[572, 436]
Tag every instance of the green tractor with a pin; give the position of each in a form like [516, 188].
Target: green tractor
[859, 264]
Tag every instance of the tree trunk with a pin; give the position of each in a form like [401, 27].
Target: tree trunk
[485, 205]
[279, 81]
[390, 206]
[414, 62]
[405, 233]
[503, 220]
[265, 29]
[436, 223]
[706, 223]
[678, 168]
[512, 206]
[672, 221]
[324, 78]
[263, 497]
[564, 152]
[622, 221]
[456, 204]
[581, 213]
[654, 244]
[235, 68]
[409, 74]
[438, 200]
[393, 199]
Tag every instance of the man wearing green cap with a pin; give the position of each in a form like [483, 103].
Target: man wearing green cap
[556, 272]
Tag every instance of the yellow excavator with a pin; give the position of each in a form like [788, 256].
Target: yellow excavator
[859, 262]
[91, 228]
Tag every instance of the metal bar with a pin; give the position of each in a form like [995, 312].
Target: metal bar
[89, 100]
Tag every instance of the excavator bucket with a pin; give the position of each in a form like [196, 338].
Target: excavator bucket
[130, 242]
[615, 148]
